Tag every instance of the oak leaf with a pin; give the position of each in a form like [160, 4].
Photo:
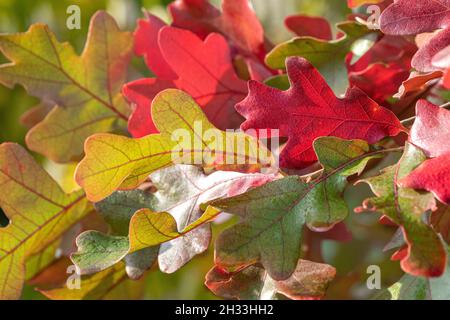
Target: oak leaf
[85, 90]
[273, 215]
[308, 282]
[39, 211]
[309, 109]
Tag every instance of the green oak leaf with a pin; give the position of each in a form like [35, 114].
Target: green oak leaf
[119, 207]
[148, 229]
[180, 191]
[40, 212]
[309, 281]
[84, 90]
[273, 215]
[327, 56]
[186, 137]
[424, 254]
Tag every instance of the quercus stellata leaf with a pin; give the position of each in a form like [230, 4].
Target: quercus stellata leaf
[101, 249]
[430, 132]
[186, 136]
[274, 214]
[316, 27]
[203, 69]
[309, 109]
[85, 90]
[198, 16]
[309, 281]
[327, 56]
[181, 199]
[407, 17]
[430, 129]
[424, 254]
[237, 21]
[38, 210]
[146, 45]
[423, 59]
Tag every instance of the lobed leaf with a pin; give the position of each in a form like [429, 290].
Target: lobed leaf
[425, 254]
[274, 214]
[213, 83]
[309, 281]
[309, 109]
[84, 89]
[407, 17]
[181, 199]
[39, 212]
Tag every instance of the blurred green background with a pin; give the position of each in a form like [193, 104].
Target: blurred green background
[350, 259]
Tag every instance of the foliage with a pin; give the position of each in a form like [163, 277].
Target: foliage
[154, 170]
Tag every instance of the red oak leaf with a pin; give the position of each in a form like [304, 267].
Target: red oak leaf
[199, 16]
[408, 17]
[141, 93]
[316, 27]
[430, 132]
[237, 21]
[203, 69]
[422, 60]
[309, 109]
[240, 23]
[146, 45]
[432, 175]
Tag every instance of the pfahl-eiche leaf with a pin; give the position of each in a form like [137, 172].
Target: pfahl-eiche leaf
[181, 190]
[273, 215]
[85, 91]
[237, 21]
[308, 282]
[39, 212]
[431, 133]
[408, 17]
[201, 68]
[424, 254]
[309, 109]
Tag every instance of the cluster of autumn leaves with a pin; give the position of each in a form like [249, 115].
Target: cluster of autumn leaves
[331, 104]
